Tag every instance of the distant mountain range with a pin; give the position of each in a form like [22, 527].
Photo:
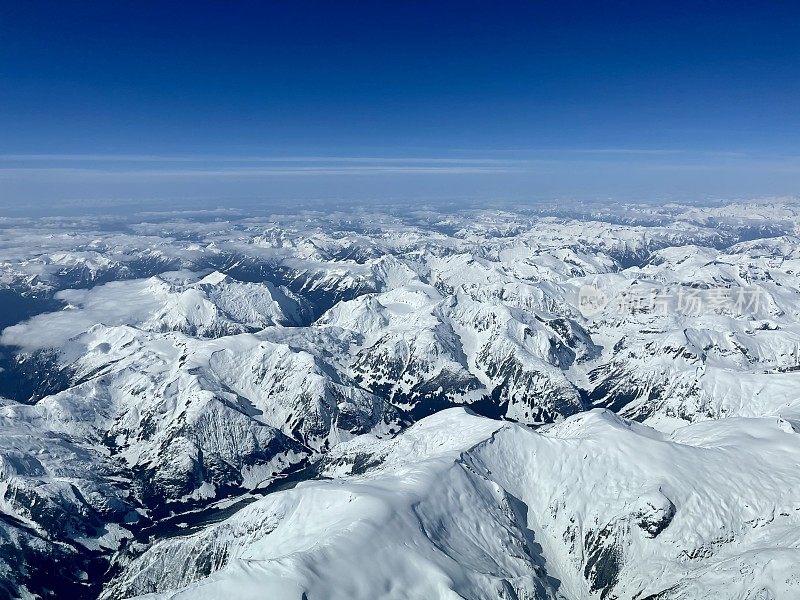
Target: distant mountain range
[580, 403]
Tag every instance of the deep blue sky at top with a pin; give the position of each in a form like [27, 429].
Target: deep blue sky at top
[647, 85]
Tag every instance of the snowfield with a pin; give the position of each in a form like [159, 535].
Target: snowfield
[570, 402]
[460, 506]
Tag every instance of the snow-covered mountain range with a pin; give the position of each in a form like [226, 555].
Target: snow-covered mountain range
[569, 403]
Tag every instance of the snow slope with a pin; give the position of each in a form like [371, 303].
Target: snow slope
[461, 506]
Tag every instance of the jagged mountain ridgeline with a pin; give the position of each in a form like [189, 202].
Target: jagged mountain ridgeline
[519, 404]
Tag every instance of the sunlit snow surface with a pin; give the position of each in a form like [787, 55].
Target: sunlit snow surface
[394, 404]
[460, 506]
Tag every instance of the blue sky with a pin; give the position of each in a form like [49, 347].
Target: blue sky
[225, 101]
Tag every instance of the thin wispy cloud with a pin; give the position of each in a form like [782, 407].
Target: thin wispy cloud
[327, 164]
[259, 171]
[199, 166]
[661, 152]
[127, 166]
[137, 158]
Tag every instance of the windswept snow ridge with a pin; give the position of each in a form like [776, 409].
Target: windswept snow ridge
[460, 506]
